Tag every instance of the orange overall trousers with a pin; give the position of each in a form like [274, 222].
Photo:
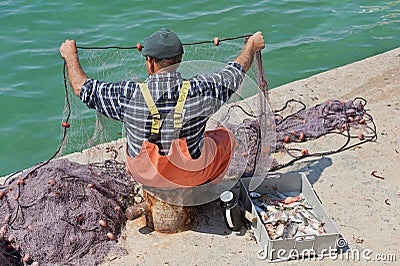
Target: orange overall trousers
[177, 168]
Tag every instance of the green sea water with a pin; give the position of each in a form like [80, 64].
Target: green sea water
[302, 38]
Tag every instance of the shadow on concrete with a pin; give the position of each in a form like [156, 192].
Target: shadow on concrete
[314, 168]
[209, 217]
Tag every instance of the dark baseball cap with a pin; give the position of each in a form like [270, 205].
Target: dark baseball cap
[163, 43]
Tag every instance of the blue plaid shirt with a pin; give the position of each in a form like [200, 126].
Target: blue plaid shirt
[123, 101]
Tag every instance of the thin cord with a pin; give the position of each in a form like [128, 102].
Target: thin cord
[184, 44]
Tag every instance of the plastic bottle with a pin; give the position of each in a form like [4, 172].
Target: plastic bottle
[233, 213]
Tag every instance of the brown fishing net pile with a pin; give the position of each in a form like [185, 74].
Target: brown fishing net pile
[293, 131]
[319, 120]
[347, 119]
[63, 213]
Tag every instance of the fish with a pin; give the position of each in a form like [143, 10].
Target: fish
[257, 203]
[278, 231]
[295, 218]
[280, 195]
[291, 230]
[286, 215]
[289, 200]
[263, 215]
[287, 194]
[271, 208]
[273, 218]
[308, 230]
[295, 204]
[308, 215]
[254, 195]
[315, 224]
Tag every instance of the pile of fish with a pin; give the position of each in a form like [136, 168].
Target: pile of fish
[286, 215]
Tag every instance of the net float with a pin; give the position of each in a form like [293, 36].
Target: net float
[286, 139]
[361, 136]
[304, 152]
[117, 208]
[103, 223]
[65, 124]
[139, 46]
[91, 185]
[20, 182]
[302, 136]
[2, 194]
[51, 181]
[79, 218]
[266, 149]
[350, 119]
[362, 121]
[110, 236]
[3, 231]
[294, 132]
[216, 41]
[27, 257]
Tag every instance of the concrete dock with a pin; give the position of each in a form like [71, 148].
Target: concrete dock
[365, 209]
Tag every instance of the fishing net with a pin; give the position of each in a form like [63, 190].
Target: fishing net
[69, 210]
[64, 213]
[326, 128]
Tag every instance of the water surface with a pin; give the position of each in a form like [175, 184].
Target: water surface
[303, 38]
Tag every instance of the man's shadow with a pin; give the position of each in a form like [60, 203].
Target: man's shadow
[313, 168]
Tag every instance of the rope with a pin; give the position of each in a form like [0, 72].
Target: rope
[216, 41]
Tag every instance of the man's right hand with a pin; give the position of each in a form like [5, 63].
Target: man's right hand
[257, 41]
[254, 43]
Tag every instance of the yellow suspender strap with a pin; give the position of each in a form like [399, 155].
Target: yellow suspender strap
[155, 115]
[178, 113]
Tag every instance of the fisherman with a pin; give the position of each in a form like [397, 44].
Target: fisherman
[165, 116]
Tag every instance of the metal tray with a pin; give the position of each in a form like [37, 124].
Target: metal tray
[297, 247]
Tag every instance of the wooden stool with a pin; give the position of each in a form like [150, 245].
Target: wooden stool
[160, 215]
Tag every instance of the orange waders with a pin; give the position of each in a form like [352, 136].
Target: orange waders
[178, 169]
